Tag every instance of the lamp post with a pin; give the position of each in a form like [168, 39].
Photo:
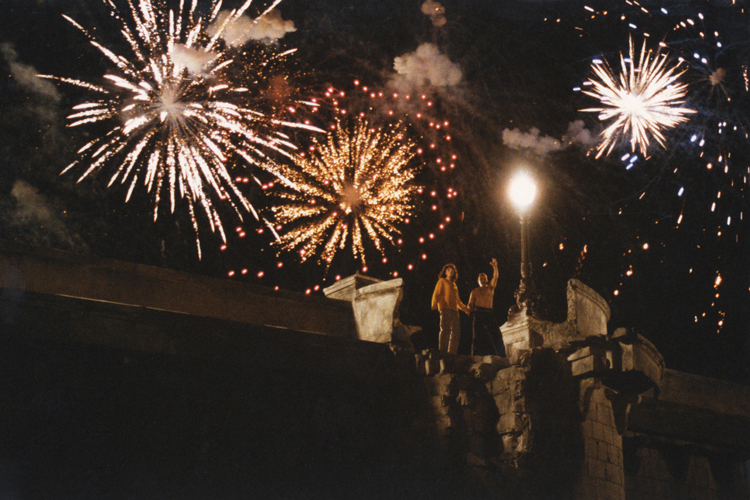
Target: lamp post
[522, 192]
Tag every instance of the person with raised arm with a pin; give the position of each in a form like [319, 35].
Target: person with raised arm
[485, 329]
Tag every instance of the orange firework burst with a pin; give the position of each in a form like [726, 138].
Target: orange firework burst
[357, 182]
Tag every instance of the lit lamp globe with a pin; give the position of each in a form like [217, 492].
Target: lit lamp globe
[522, 192]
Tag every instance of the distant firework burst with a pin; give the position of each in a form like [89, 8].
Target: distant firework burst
[355, 185]
[701, 189]
[644, 99]
[177, 110]
[714, 48]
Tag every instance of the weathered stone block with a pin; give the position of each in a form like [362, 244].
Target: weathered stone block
[503, 403]
[591, 448]
[608, 490]
[512, 372]
[376, 312]
[464, 398]
[346, 289]
[604, 414]
[523, 443]
[443, 423]
[484, 371]
[499, 386]
[603, 451]
[588, 361]
[510, 422]
[615, 455]
[519, 405]
[597, 468]
[440, 403]
[587, 310]
[614, 474]
[598, 431]
[585, 366]
[520, 335]
[509, 443]
[441, 384]
[432, 367]
[637, 354]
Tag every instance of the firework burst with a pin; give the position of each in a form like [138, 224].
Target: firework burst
[714, 47]
[643, 100]
[174, 113]
[356, 184]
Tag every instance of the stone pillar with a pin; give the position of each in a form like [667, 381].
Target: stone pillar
[375, 304]
[376, 313]
[602, 475]
[611, 373]
[518, 335]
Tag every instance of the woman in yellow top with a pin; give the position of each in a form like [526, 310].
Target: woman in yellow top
[445, 299]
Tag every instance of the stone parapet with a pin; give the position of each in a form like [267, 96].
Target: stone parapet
[54, 272]
[587, 310]
[696, 409]
[346, 288]
[588, 314]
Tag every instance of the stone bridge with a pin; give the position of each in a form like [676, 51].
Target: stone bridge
[125, 381]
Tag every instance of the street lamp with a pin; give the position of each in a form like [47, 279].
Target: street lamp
[522, 192]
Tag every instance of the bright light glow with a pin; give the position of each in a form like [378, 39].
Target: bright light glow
[522, 191]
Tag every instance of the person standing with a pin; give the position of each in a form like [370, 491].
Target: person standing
[485, 330]
[446, 300]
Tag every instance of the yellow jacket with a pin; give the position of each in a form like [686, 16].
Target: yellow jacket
[445, 296]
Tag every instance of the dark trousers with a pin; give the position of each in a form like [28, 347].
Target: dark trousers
[486, 339]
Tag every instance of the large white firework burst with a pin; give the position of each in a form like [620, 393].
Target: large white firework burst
[644, 99]
[358, 182]
[175, 113]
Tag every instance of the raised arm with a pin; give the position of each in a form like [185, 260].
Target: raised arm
[493, 283]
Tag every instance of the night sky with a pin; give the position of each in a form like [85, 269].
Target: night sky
[663, 238]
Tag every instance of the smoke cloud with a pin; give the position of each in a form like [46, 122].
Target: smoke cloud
[427, 66]
[435, 11]
[40, 222]
[577, 135]
[541, 145]
[268, 28]
[26, 76]
[192, 59]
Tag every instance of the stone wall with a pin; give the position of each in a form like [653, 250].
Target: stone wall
[121, 400]
[53, 272]
[659, 469]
